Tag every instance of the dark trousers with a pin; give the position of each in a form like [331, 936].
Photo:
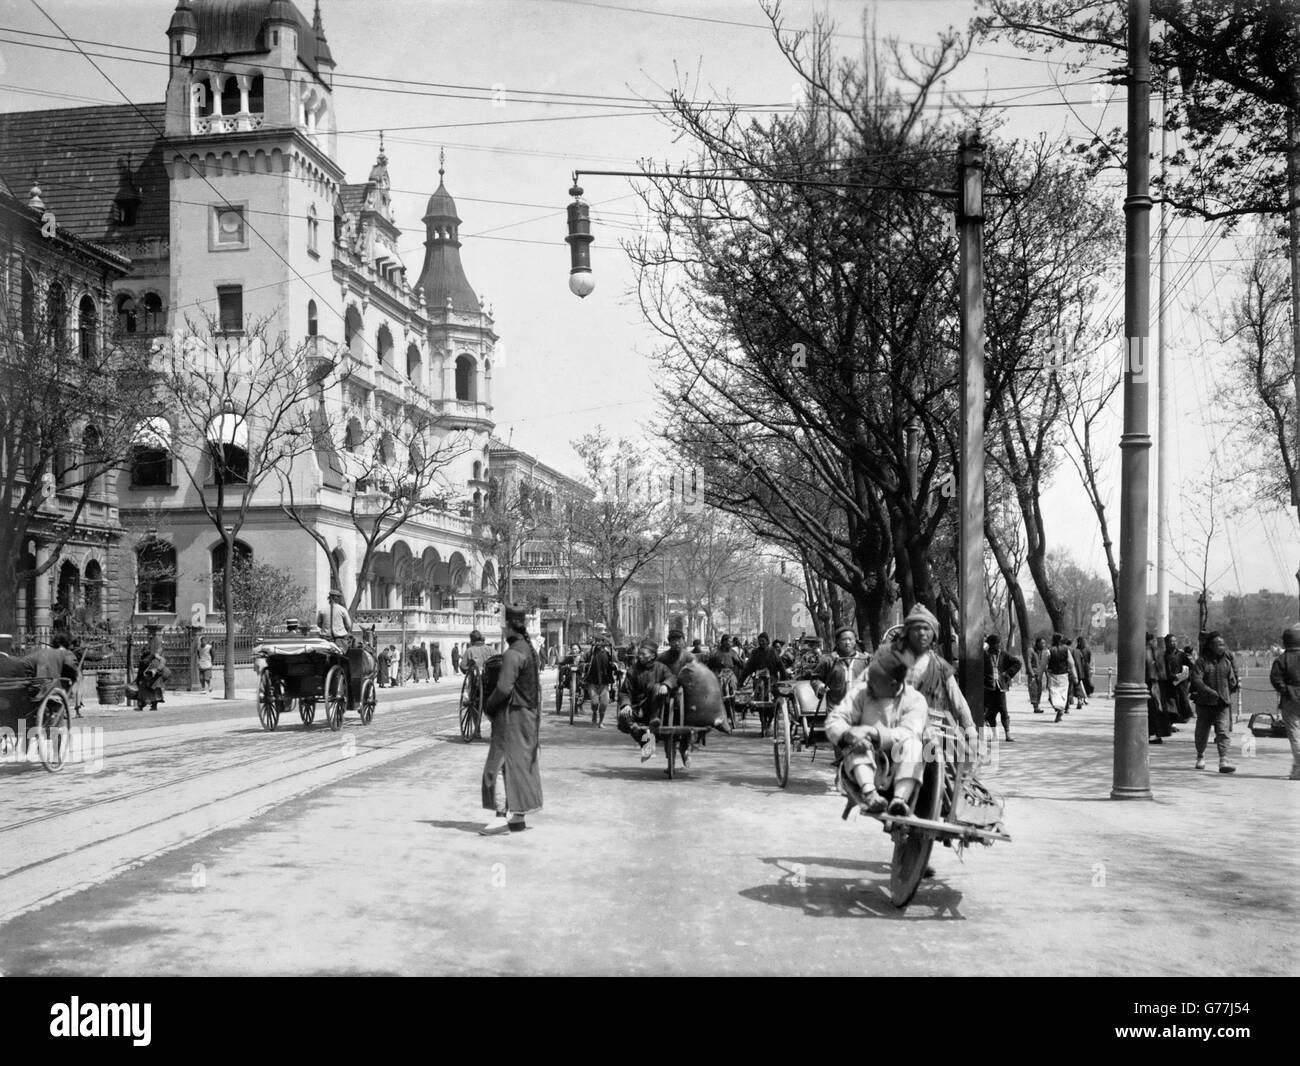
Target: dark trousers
[1220, 719]
[995, 706]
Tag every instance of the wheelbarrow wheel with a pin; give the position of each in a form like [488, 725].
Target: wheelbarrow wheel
[781, 741]
[912, 846]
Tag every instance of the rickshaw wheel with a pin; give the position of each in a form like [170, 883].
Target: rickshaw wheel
[307, 709]
[573, 694]
[467, 709]
[369, 699]
[781, 740]
[336, 697]
[912, 846]
[268, 701]
[671, 748]
[53, 730]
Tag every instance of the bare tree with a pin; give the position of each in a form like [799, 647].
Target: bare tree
[392, 465]
[242, 402]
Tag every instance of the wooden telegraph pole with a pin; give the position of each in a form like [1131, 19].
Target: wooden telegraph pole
[1132, 777]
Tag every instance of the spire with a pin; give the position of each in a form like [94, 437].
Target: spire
[379, 172]
[34, 199]
[323, 55]
[443, 277]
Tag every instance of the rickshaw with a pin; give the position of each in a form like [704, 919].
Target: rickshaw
[39, 706]
[473, 695]
[303, 672]
[951, 805]
[799, 714]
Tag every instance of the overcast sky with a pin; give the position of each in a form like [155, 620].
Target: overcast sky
[574, 364]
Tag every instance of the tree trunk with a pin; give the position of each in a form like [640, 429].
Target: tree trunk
[228, 602]
[1015, 593]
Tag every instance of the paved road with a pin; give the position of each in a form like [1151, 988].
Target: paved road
[206, 846]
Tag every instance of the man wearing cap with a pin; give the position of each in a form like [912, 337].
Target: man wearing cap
[648, 685]
[836, 672]
[930, 674]
[999, 668]
[336, 623]
[765, 658]
[597, 677]
[886, 715]
[513, 707]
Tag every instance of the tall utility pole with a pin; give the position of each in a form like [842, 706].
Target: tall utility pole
[1293, 225]
[970, 577]
[1132, 777]
[1164, 399]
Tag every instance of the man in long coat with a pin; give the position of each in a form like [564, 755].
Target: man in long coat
[514, 710]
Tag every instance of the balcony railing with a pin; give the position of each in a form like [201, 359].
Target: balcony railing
[227, 123]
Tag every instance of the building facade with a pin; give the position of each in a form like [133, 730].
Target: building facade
[230, 202]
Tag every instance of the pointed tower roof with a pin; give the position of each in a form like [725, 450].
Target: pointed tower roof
[323, 54]
[443, 275]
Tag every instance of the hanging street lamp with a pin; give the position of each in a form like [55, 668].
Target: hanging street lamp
[581, 282]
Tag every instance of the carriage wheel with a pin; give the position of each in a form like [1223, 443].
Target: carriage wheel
[467, 709]
[270, 698]
[307, 709]
[573, 697]
[912, 846]
[336, 697]
[781, 741]
[53, 729]
[369, 699]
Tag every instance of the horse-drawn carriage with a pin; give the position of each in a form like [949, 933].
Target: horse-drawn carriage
[299, 674]
[39, 709]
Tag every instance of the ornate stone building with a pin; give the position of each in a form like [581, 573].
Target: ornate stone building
[231, 204]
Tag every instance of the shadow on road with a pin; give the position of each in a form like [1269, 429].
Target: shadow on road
[852, 897]
[463, 827]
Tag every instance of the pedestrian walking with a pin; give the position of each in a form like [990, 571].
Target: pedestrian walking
[999, 668]
[1081, 690]
[1178, 671]
[1060, 676]
[1284, 676]
[436, 656]
[1214, 682]
[512, 782]
[455, 658]
[1037, 671]
[598, 676]
[205, 664]
[150, 680]
[385, 667]
[1157, 720]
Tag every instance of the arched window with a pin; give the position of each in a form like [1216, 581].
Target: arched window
[466, 386]
[155, 577]
[65, 460]
[151, 456]
[494, 492]
[153, 313]
[414, 366]
[28, 308]
[478, 470]
[384, 342]
[256, 96]
[56, 316]
[228, 449]
[352, 335]
[243, 556]
[93, 589]
[92, 459]
[203, 96]
[67, 597]
[313, 230]
[126, 313]
[230, 97]
[388, 449]
[354, 437]
[311, 318]
[88, 327]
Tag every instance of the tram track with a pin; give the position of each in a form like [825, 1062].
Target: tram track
[202, 801]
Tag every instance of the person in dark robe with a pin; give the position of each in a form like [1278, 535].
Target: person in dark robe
[514, 708]
[999, 668]
[455, 658]
[150, 680]
[1157, 719]
[1037, 668]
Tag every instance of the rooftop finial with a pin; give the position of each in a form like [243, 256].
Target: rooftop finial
[442, 160]
[382, 157]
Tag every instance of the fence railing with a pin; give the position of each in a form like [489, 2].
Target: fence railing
[108, 651]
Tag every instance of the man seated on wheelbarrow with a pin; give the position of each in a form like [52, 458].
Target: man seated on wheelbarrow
[646, 690]
[879, 727]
